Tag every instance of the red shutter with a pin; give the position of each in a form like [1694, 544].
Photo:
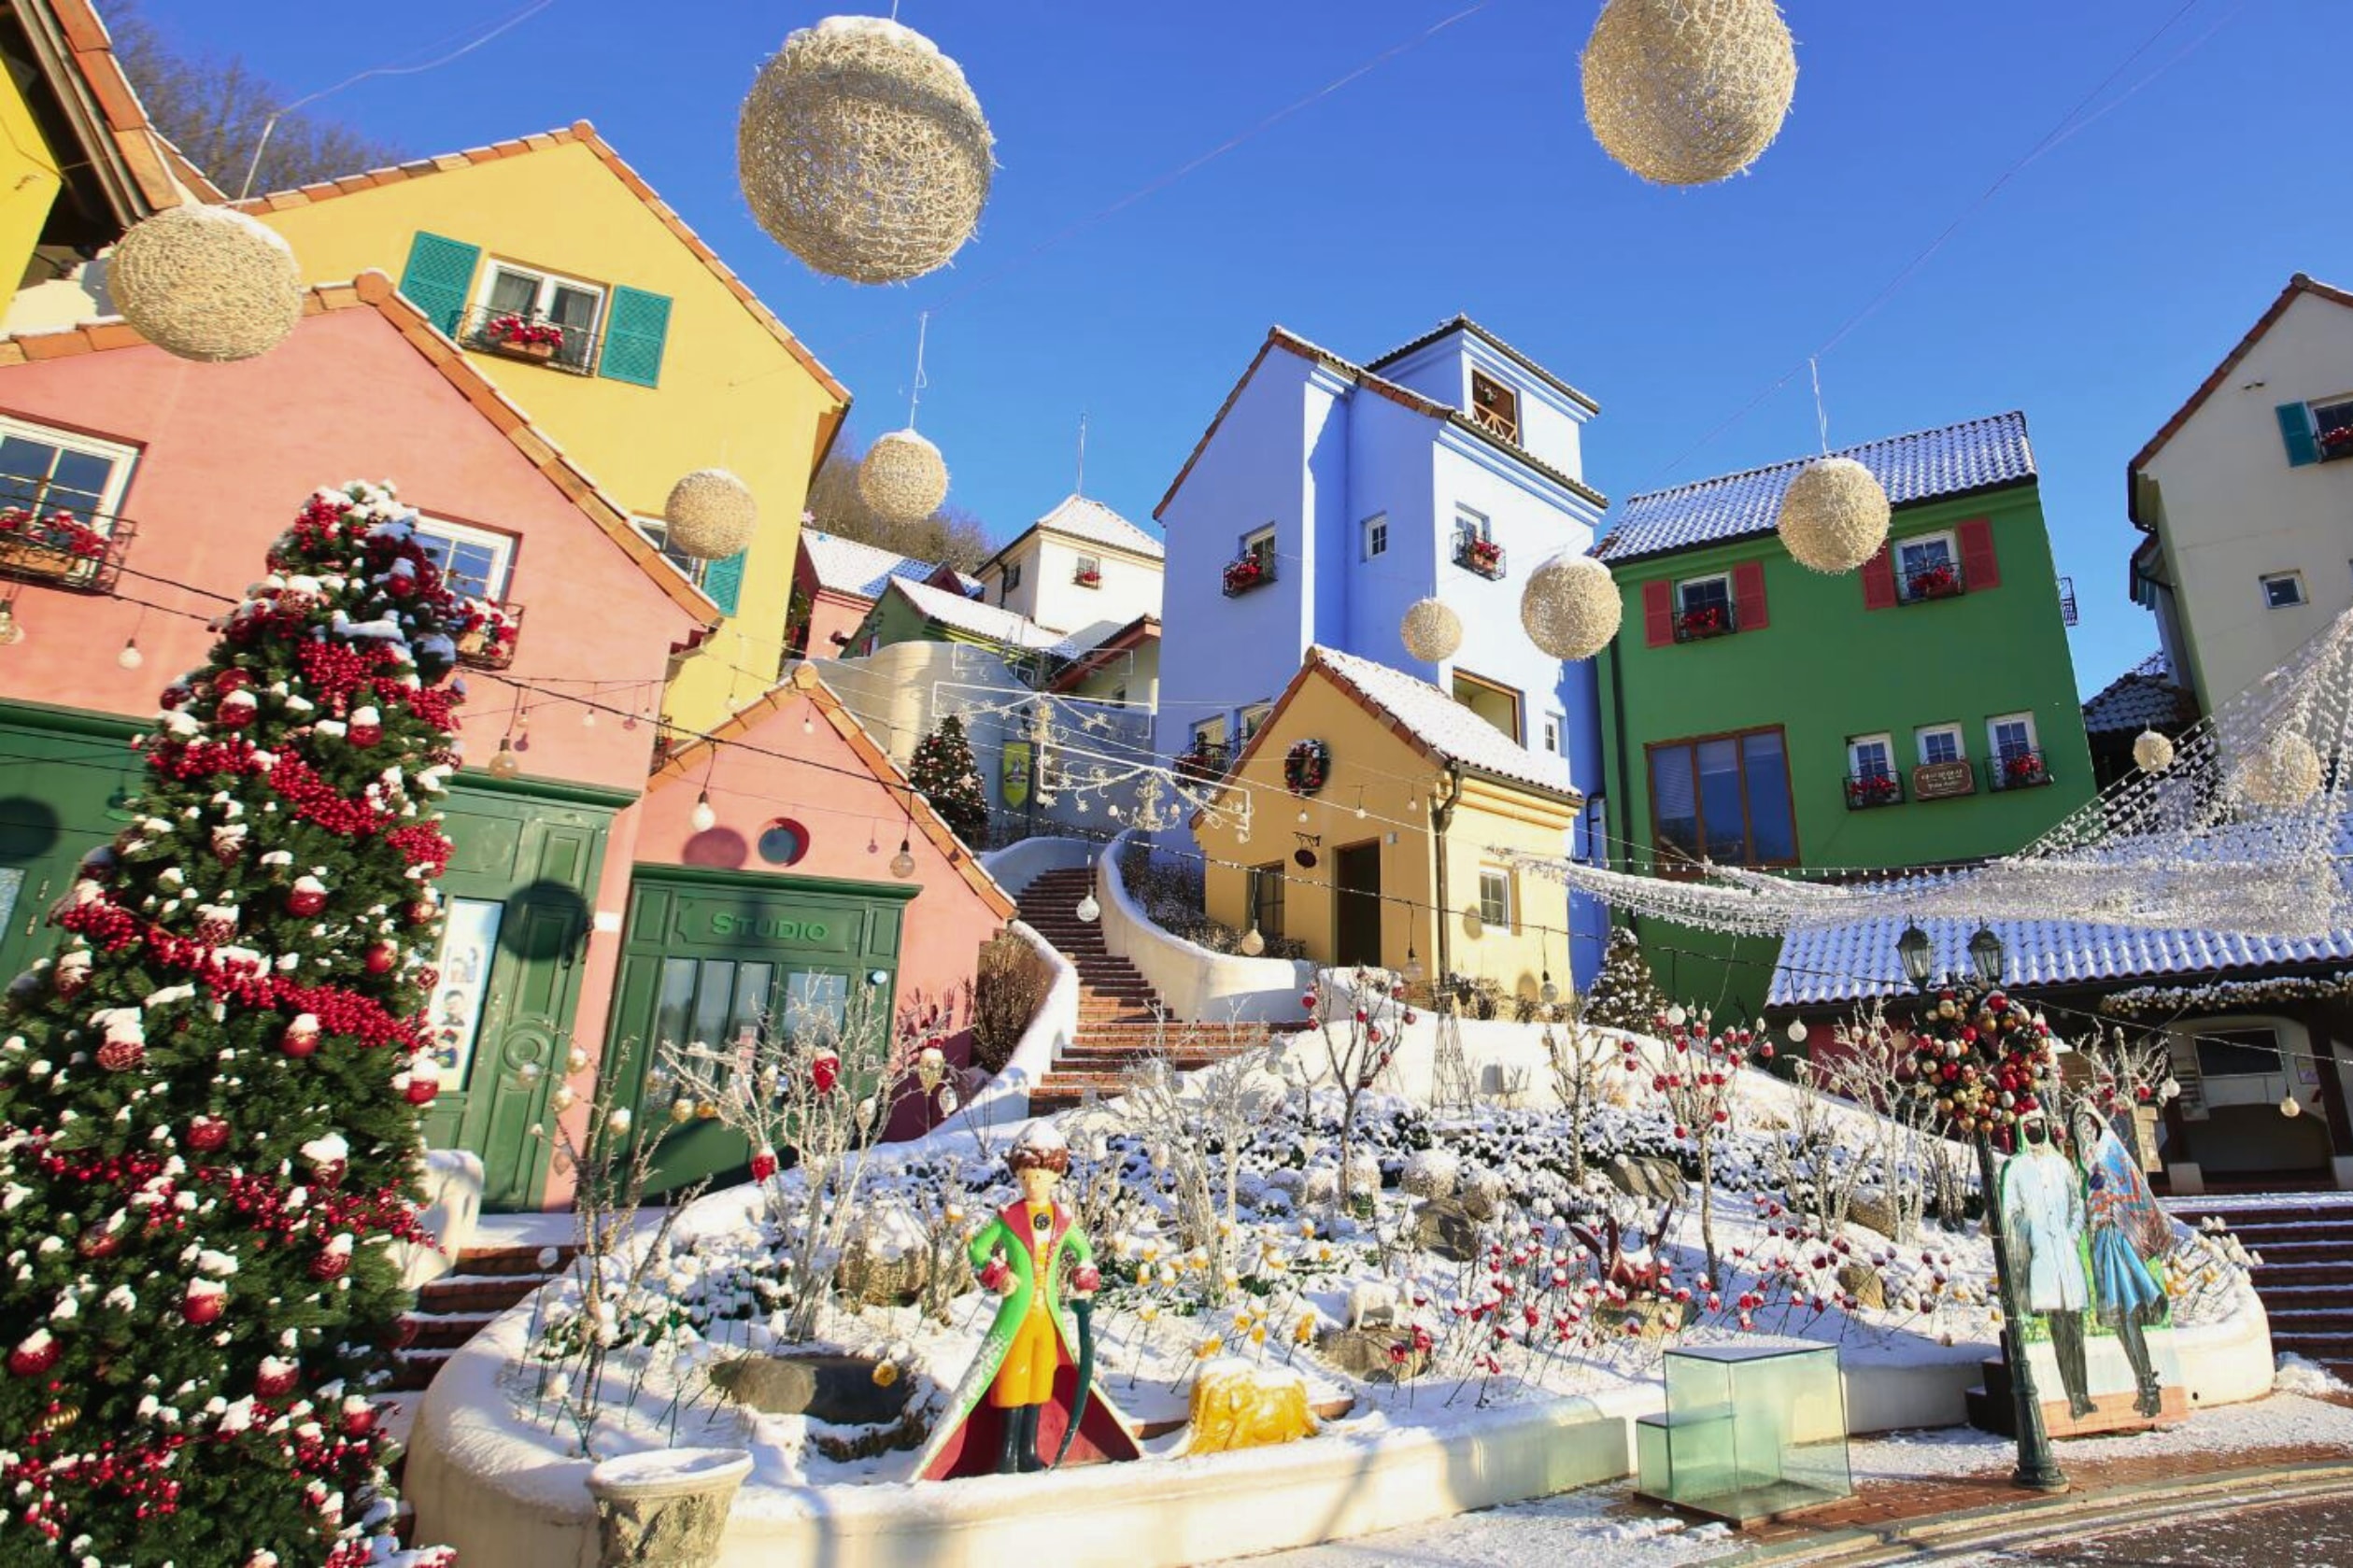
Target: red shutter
[1879, 582]
[1978, 567]
[1658, 614]
[1748, 597]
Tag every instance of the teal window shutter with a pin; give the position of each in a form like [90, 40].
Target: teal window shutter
[2295, 429]
[634, 334]
[436, 277]
[723, 581]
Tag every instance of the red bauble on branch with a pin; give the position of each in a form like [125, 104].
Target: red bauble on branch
[276, 1379]
[33, 1355]
[381, 958]
[204, 1303]
[300, 1038]
[206, 1133]
[306, 898]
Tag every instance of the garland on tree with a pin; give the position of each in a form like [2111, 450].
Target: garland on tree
[209, 1095]
[945, 773]
[1622, 995]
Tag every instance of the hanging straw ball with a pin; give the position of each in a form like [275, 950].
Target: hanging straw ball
[1570, 608]
[206, 283]
[1688, 92]
[1834, 515]
[903, 478]
[1431, 632]
[2285, 772]
[862, 150]
[711, 514]
[2152, 753]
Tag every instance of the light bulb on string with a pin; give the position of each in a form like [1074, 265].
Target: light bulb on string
[11, 630]
[2288, 1107]
[808, 718]
[1087, 908]
[130, 658]
[1360, 803]
[903, 865]
[1303, 813]
[505, 765]
[588, 716]
[702, 818]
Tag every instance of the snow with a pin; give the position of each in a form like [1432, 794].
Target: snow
[1600, 1528]
[2298, 1376]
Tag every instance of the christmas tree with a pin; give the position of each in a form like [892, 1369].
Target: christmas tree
[945, 773]
[209, 1096]
[1623, 995]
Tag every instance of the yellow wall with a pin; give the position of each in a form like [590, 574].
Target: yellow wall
[1392, 775]
[28, 183]
[730, 395]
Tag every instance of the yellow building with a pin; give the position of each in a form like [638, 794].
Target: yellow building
[664, 361]
[1417, 795]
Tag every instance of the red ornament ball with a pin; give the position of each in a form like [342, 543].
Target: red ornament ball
[122, 1055]
[381, 958]
[421, 914]
[30, 1360]
[360, 1422]
[421, 1091]
[275, 1380]
[763, 1165]
[97, 1242]
[824, 1070]
[206, 1133]
[304, 902]
[329, 1264]
[298, 1041]
[200, 1308]
[365, 734]
[230, 680]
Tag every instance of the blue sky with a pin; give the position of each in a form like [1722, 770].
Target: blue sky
[2093, 291]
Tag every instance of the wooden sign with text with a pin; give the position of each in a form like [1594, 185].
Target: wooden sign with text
[1939, 780]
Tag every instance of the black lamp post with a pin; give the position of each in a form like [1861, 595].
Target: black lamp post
[2038, 1467]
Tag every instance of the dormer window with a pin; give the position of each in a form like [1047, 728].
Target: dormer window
[1494, 405]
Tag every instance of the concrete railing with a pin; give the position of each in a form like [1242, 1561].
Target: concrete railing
[1194, 983]
[1017, 866]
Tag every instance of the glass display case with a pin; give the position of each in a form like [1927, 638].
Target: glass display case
[1750, 1432]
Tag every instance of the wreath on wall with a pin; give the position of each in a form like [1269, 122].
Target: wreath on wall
[1306, 766]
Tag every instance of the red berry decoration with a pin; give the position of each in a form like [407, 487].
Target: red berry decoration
[206, 1133]
[763, 1164]
[381, 957]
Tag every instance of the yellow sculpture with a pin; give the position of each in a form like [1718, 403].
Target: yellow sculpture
[1238, 1405]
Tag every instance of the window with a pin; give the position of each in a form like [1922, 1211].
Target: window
[2010, 735]
[1471, 525]
[1927, 567]
[1090, 572]
[1871, 757]
[1724, 797]
[1258, 545]
[1376, 536]
[1495, 898]
[1266, 899]
[1703, 607]
[1553, 723]
[509, 289]
[473, 561]
[1940, 743]
[1499, 705]
[657, 533]
[1253, 718]
[2332, 428]
[469, 947]
[2282, 591]
[1012, 580]
[1494, 405]
[2239, 1054]
[46, 472]
[1209, 736]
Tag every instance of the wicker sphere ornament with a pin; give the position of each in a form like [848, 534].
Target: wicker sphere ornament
[1834, 515]
[2285, 772]
[903, 478]
[862, 150]
[1570, 608]
[1431, 632]
[206, 283]
[2152, 753]
[711, 514]
[1688, 92]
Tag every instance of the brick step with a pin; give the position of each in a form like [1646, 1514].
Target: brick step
[2324, 1348]
[417, 1371]
[461, 1292]
[2293, 1229]
[2339, 1254]
[2336, 1322]
[2302, 1276]
[512, 1259]
[1080, 1059]
[447, 1330]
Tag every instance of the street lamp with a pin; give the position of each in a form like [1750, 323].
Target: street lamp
[2038, 1467]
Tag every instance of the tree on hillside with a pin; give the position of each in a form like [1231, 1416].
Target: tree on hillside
[209, 1095]
[944, 772]
[951, 534]
[1624, 996]
[214, 110]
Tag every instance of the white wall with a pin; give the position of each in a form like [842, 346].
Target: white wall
[1130, 587]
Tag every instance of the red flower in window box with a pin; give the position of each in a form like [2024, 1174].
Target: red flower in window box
[1936, 582]
[1705, 620]
[486, 633]
[1087, 579]
[514, 331]
[1873, 789]
[1486, 552]
[49, 548]
[1247, 573]
[2022, 768]
[2337, 443]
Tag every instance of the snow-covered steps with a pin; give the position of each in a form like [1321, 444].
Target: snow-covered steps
[452, 1310]
[2305, 1241]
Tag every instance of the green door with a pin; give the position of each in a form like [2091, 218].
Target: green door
[65, 783]
[713, 958]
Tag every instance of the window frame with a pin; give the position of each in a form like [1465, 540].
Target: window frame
[1088, 564]
[1950, 538]
[1994, 751]
[1258, 541]
[503, 545]
[542, 295]
[2278, 1066]
[1519, 702]
[1210, 733]
[1690, 743]
[1007, 579]
[1373, 537]
[1959, 742]
[1494, 424]
[1499, 876]
[656, 531]
[1470, 523]
[1555, 733]
[120, 458]
[2294, 576]
[1250, 718]
[2334, 402]
[1266, 912]
[1884, 740]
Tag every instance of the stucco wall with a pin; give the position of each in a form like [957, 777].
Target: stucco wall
[29, 182]
[1051, 595]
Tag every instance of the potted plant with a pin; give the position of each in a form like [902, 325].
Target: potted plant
[1247, 573]
[1873, 789]
[1702, 621]
[520, 339]
[49, 548]
[1483, 556]
[2022, 770]
[1939, 581]
[2337, 443]
[1202, 763]
[487, 633]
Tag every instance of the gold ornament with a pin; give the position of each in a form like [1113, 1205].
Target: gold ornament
[206, 283]
[1431, 630]
[1834, 515]
[707, 1109]
[1688, 92]
[711, 514]
[902, 478]
[61, 1418]
[1570, 607]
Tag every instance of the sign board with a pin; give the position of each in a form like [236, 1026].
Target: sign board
[1013, 773]
[1941, 781]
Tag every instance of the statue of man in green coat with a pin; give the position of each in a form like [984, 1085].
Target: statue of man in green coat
[1024, 1393]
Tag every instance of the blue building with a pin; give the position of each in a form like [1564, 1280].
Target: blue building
[1326, 497]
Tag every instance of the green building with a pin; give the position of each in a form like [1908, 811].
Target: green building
[1919, 712]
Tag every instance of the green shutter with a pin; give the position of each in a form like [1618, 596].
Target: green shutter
[723, 581]
[2295, 429]
[633, 336]
[438, 273]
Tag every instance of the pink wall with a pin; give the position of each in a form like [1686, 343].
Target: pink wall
[228, 454]
[830, 612]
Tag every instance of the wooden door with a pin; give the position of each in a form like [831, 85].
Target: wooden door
[1356, 913]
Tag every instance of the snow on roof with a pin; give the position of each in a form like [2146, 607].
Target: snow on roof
[846, 565]
[1078, 517]
[1952, 460]
[1441, 723]
[2143, 698]
[981, 620]
[1856, 961]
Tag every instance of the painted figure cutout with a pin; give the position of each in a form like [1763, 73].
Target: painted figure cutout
[1029, 1394]
[2043, 1221]
[2128, 1230]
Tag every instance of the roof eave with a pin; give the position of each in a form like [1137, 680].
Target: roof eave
[1943, 498]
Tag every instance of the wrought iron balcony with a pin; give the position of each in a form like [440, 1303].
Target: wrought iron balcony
[517, 335]
[1483, 556]
[2017, 769]
[59, 550]
[1254, 571]
[1867, 790]
[1699, 624]
[487, 633]
[1205, 761]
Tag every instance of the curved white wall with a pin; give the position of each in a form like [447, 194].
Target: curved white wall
[1196, 984]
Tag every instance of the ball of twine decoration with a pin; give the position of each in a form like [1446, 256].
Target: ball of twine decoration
[206, 283]
[903, 477]
[1431, 632]
[711, 514]
[2152, 753]
[1570, 608]
[1688, 92]
[1834, 515]
[863, 151]
[2285, 771]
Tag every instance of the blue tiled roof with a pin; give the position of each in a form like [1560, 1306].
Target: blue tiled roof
[1955, 459]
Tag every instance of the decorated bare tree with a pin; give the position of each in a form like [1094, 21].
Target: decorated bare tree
[1699, 1079]
[1360, 1034]
[1196, 1129]
[209, 1096]
[1581, 1055]
[1899, 1144]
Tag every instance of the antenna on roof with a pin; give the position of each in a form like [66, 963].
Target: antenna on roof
[1078, 486]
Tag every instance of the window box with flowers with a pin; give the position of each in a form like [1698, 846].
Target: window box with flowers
[1253, 570]
[1939, 581]
[2018, 769]
[1866, 790]
[58, 549]
[2336, 442]
[1703, 621]
[1484, 556]
[487, 633]
[519, 338]
[1087, 577]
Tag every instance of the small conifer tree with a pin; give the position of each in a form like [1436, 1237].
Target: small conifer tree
[945, 773]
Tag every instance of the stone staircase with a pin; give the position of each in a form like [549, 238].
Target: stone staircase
[455, 1307]
[1121, 1018]
[2306, 1278]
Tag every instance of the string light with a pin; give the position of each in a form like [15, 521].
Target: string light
[11, 630]
[704, 817]
[505, 765]
[130, 658]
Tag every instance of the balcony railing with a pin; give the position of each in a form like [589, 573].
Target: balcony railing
[1942, 581]
[1866, 790]
[487, 633]
[2016, 769]
[1087, 577]
[1483, 556]
[514, 335]
[1205, 761]
[1250, 572]
[59, 550]
[1699, 624]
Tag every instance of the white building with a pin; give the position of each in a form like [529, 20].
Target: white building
[1082, 571]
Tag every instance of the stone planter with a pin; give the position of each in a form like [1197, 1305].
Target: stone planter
[666, 1508]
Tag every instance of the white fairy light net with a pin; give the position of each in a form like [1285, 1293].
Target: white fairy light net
[2245, 832]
